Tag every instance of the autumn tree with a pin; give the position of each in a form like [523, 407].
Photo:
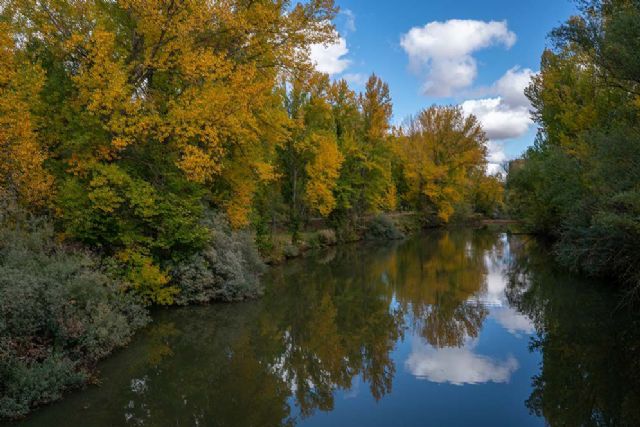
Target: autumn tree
[22, 174]
[441, 151]
[374, 162]
[309, 158]
[486, 195]
[323, 171]
[152, 109]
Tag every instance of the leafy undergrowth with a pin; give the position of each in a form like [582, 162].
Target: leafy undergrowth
[59, 314]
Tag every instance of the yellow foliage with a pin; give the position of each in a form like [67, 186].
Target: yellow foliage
[390, 200]
[197, 165]
[266, 172]
[489, 193]
[440, 150]
[22, 175]
[243, 184]
[567, 99]
[323, 172]
[147, 278]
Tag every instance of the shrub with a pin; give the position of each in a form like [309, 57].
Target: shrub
[327, 237]
[382, 228]
[291, 251]
[228, 269]
[275, 254]
[148, 281]
[59, 314]
[608, 244]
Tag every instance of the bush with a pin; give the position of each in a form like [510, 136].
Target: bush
[291, 251]
[327, 237]
[228, 269]
[591, 206]
[59, 314]
[382, 228]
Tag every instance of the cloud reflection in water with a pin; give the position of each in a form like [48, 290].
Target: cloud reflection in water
[458, 365]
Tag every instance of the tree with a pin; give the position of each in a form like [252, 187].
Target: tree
[580, 182]
[22, 174]
[309, 159]
[441, 151]
[323, 173]
[374, 163]
[152, 109]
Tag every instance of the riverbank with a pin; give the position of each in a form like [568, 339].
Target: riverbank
[57, 324]
[65, 308]
[389, 226]
[424, 313]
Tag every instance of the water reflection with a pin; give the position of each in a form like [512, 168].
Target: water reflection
[590, 374]
[458, 365]
[358, 336]
[435, 280]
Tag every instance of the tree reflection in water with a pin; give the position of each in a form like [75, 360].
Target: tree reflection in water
[590, 344]
[320, 326]
[332, 322]
[436, 280]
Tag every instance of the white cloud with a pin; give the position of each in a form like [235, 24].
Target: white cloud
[504, 116]
[442, 51]
[499, 120]
[514, 322]
[329, 58]
[511, 86]
[458, 366]
[496, 156]
[507, 114]
[357, 79]
[350, 20]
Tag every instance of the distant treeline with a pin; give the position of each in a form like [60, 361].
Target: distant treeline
[580, 183]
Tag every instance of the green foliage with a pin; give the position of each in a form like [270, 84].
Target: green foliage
[140, 226]
[228, 269]
[581, 182]
[607, 31]
[59, 314]
[121, 212]
[602, 238]
[545, 191]
[382, 227]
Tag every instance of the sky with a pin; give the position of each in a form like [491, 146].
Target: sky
[477, 54]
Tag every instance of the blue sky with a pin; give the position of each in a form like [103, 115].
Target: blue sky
[449, 52]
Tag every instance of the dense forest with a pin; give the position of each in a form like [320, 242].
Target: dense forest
[580, 182]
[154, 152]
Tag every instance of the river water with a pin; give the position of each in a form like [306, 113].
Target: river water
[457, 328]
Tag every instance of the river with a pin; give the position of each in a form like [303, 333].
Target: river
[450, 328]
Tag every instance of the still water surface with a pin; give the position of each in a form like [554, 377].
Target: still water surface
[451, 328]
